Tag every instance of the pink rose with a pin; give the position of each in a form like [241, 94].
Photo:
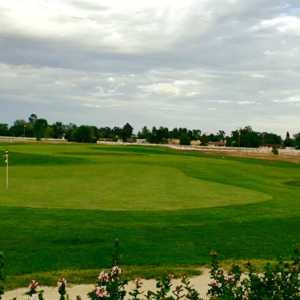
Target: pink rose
[103, 276]
[116, 271]
[101, 292]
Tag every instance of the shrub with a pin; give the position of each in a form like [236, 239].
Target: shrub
[275, 150]
[33, 292]
[163, 288]
[166, 290]
[62, 289]
[109, 285]
[280, 281]
[225, 286]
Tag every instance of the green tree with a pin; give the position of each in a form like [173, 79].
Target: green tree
[196, 134]
[144, 133]
[185, 139]
[84, 134]
[221, 135]
[58, 130]
[204, 140]
[271, 139]
[297, 140]
[18, 128]
[39, 128]
[69, 131]
[116, 133]
[126, 132]
[4, 130]
[246, 137]
[275, 150]
[32, 118]
[288, 142]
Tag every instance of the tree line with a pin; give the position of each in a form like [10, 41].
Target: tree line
[245, 137]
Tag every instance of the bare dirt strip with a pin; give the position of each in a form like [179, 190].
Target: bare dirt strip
[200, 283]
[290, 155]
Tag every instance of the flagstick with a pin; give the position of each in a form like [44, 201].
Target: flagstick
[6, 160]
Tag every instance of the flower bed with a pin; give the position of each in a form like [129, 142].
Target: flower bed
[277, 281]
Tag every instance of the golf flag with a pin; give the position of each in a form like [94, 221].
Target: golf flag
[6, 162]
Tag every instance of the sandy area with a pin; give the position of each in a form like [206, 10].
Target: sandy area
[50, 293]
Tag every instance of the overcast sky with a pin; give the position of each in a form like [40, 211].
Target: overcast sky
[207, 64]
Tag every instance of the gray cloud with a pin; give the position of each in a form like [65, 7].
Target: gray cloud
[201, 64]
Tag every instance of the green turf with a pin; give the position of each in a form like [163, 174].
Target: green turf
[67, 203]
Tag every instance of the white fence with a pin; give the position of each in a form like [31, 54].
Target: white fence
[261, 150]
[13, 139]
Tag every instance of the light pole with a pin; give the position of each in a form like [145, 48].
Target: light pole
[6, 162]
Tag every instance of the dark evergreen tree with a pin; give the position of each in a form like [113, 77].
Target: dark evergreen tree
[288, 142]
[39, 128]
[126, 132]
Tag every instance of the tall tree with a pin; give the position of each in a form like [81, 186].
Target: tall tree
[58, 130]
[271, 139]
[144, 133]
[196, 134]
[32, 118]
[288, 142]
[126, 132]
[297, 140]
[4, 130]
[204, 139]
[185, 139]
[245, 137]
[84, 134]
[221, 135]
[39, 128]
[69, 131]
[18, 128]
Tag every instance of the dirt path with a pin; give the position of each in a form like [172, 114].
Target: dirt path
[199, 282]
[289, 155]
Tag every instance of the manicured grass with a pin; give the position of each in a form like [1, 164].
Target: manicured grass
[89, 276]
[67, 204]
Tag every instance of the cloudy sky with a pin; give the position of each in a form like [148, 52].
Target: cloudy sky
[207, 64]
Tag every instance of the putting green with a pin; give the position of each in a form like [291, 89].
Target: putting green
[125, 186]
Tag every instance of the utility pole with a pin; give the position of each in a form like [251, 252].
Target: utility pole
[6, 162]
